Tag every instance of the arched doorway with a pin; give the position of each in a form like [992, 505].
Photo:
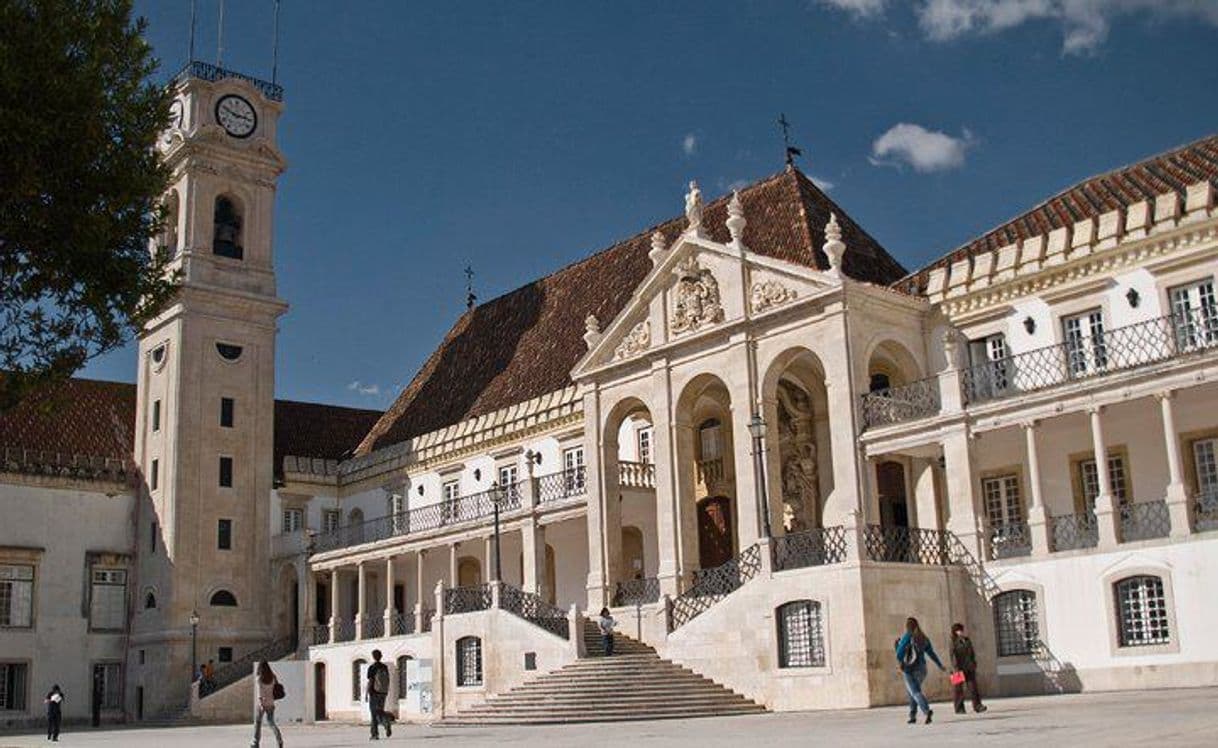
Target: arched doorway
[632, 553]
[319, 691]
[714, 531]
[799, 459]
[469, 572]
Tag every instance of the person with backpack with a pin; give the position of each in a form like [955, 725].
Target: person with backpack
[605, 624]
[54, 702]
[269, 691]
[964, 667]
[377, 690]
[912, 650]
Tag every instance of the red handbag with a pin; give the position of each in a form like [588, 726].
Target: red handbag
[957, 677]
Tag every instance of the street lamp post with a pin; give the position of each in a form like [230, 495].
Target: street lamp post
[757, 428]
[194, 651]
[496, 499]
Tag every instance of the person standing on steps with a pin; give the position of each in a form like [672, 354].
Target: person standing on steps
[964, 666]
[54, 702]
[377, 689]
[912, 650]
[268, 691]
[605, 624]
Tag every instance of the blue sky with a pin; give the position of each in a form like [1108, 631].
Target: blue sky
[521, 136]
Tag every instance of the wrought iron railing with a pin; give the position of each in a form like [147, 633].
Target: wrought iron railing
[1145, 520]
[898, 404]
[425, 615]
[374, 626]
[319, 633]
[907, 545]
[401, 624]
[636, 474]
[712, 585]
[710, 472]
[816, 547]
[637, 592]
[1205, 511]
[244, 665]
[1073, 531]
[209, 72]
[534, 609]
[563, 485]
[1010, 539]
[467, 599]
[344, 630]
[420, 519]
[1123, 348]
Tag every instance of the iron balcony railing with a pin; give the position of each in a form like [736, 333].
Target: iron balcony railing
[899, 404]
[816, 547]
[1205, 511]
[401, 624]
[563, 485]
[319, 633]
[907, 545]
[344, 630]
[467, 599]
[208, 72]
[1073, 531]
[1145, 520]
[420, 519]
[534, 609]
[636, 474]
[637, 592]
[712, 585]
[244, 665]
[1079, 358]
[374, 626]
[426, 616]
[1010, 539]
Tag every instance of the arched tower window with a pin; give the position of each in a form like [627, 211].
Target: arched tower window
[226, 236]
[169, 229]
[223, 599]
[149, 601]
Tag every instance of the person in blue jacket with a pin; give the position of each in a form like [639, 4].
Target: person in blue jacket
[912, 650]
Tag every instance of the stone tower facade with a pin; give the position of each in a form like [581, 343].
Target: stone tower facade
[206, 387]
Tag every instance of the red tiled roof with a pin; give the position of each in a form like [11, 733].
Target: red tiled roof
[1171, 171]
[86, 417]
[525, 343]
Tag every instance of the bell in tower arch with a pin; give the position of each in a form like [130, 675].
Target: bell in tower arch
[226, 241]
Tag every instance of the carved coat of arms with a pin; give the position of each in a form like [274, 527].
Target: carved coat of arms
[697, 297]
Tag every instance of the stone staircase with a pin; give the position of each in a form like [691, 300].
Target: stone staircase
[634, 684]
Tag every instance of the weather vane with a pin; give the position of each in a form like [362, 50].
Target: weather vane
[792, 151]
[470, 297]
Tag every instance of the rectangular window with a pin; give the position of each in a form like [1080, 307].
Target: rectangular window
[1118, 477]
[1086, 352]
[143, 656]
[224, 534]
[990, 364]
[293, 519]
[226, 472]
[16, 596]
[154, 476]
[225, 654]
[1205, 454]
[330, 519]
[13, 686]
[710, 441]
[645, 436]
[1195, 314]
[1002, 505]
[452, 490]
[573, 468]
[152, 530]
[108, 600]
[226, 412]
[110, 676]
[507, 476]
[156, 415]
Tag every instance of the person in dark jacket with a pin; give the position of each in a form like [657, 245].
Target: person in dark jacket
[964, 661]
[912, 650]
[54, 702]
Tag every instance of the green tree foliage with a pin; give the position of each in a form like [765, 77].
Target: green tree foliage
[80, 185]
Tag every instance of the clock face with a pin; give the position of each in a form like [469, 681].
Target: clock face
[236, 116]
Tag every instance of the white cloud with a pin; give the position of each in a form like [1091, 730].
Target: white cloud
[360, 388]
[689, 144]
[1084, 24]
[824, 184]
[924, 150]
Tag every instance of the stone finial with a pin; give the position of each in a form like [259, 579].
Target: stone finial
[834, 247]
[693, 209]
[735, 220]
[658, 248]
[951, 344]
[592, 331]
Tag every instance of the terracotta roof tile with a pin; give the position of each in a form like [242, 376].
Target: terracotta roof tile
[1174, 170]
[524, 344]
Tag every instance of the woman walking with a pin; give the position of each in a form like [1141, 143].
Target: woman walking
[268, 689]
[54, 702]
[912, 650]
[964, 665]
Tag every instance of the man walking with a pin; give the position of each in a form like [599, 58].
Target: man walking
[377, 689]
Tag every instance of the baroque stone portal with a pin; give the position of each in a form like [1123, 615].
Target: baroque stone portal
[697, 297]
[797, 450]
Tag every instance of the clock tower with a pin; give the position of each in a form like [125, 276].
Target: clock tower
[206, 394]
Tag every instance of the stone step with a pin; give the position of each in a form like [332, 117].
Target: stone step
[649, 685]
[544, 718]
[558, 704]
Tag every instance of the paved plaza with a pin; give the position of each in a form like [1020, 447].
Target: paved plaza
[1187, 717]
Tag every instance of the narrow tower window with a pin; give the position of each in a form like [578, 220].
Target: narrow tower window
[226, 241]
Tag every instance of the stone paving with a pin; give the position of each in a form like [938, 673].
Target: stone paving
[1185, 717]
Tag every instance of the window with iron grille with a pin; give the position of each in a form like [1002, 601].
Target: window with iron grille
[469, 661]
[16, 596]
[110, 676]
[330, 519]
[293, 519]
[1085, 347]
[573, 467]
[108, 600]
[13, 686]
[1118, 478]
[1015, 624]
[801, 641]
[1002, 504]
[1205, 453]
[357, 678]
[1141, 611]
[1195, 314]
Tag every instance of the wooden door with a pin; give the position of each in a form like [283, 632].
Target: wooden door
[319, 691]
[714, 531]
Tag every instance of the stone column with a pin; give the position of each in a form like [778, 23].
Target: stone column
[488, 554]
[598, 574]
[963, 513]
[925, 502]
[843, 437]
[533, 548]
[362, 595]
[420, 555]
[668, 567]
[1105, 505]
[744, 464]
[452, 565]
[1038, 516]
[389, 610]
[1177, 495]
[773, 467]
[685, 502]
[333, 604]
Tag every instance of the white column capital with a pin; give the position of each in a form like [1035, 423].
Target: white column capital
[1029, 424]
[1166, 394]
